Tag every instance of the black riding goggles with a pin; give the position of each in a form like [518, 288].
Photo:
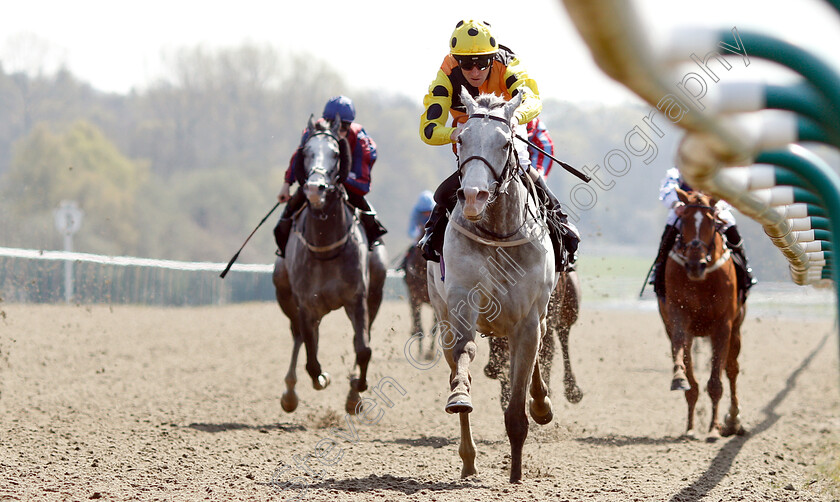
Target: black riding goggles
[467, 63]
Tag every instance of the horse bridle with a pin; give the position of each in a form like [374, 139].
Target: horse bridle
[333, 187]
[322, 169]
[504, 176]
[680, 246]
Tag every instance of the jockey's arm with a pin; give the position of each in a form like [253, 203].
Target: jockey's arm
[285, 192]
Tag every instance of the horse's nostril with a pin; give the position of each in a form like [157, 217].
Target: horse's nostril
[460, 194]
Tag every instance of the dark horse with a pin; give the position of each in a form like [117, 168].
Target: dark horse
[418, 294]
[563, 310]
[328, 265]
[701, 299]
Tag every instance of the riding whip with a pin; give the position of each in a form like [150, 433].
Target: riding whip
[562, 164]
[646, 279]
[230, 264]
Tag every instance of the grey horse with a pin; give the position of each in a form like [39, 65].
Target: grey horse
[498, 285]
[328, 265]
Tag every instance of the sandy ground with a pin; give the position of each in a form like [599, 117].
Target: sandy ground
[140, 403]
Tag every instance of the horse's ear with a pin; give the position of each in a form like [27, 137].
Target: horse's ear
[682, 194]
[335, 126]
[311, 124]
[512, 105]
[468, 101]
[344, 159]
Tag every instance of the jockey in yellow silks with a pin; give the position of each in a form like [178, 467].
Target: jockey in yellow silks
[478, 63]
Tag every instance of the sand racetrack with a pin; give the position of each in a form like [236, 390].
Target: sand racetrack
[142, 403]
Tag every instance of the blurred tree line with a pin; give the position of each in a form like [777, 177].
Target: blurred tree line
[185, 168]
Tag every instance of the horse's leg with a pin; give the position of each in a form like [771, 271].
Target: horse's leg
[461, 405]
[693, 391]
[283, 292]
[545, 356]
[568, 316]
[466, 450]
[430, 354]
[498, 357]
[678, 351]
[732, 422]
[289, 400]
[540, 405]
[720, 355]
[523, 357]
[416, 324]
[378, 273]
[573, 392]
[498, 368]
[361, 344]
[309, 331]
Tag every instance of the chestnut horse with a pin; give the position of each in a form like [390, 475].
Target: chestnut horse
[701, 299]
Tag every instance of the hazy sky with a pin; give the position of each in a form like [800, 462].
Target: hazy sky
[389, 44]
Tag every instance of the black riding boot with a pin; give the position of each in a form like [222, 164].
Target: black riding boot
[742, 268]
[431, 244]
[284, 226]
[669, 235]
[281, 235]
[373, 228]
[564, 236]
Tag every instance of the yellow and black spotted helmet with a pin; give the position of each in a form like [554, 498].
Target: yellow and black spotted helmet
[472, 38]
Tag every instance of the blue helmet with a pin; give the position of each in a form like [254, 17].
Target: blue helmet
[341, 105]
[425, 202]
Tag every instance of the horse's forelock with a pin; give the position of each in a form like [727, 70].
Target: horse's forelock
[490, 101]
[321, 126]
[699, 199]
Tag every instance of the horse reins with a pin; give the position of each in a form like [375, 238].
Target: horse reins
[341, 242]
[680, 258]
[500, 179]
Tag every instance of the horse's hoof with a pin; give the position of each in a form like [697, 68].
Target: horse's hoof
[573, 394]
[354, 405]
[468, 471]
[732, 427]
[680, 384]
[459, 402]
[289, 401]
[689, 434]
[321, 382]
[544, 415]
[714, 435]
